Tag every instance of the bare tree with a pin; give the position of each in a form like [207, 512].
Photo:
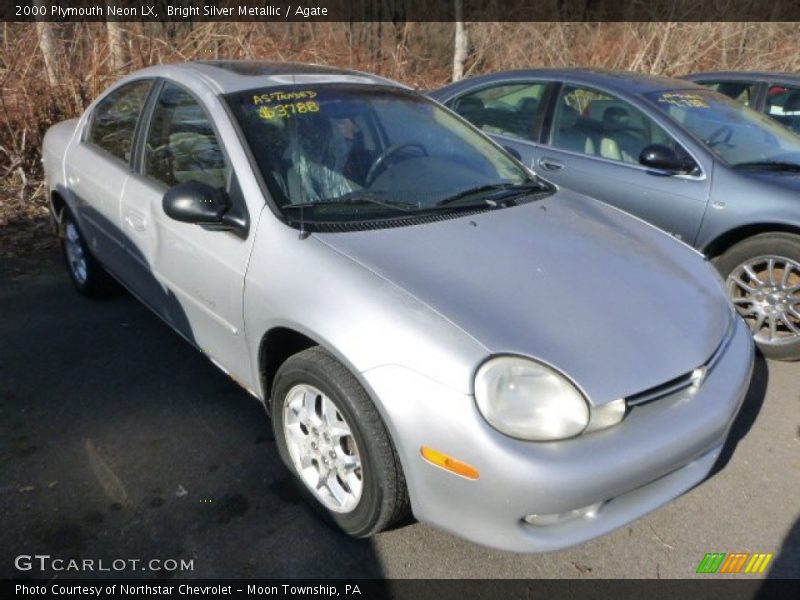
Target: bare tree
[116, 44]
[47, 46]
[461, 46]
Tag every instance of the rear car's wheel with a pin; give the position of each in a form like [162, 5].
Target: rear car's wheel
[332, 438]
[762, 275]
[86, 273]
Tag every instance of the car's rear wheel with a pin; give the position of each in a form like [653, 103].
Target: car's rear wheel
[332, 438]
[762, 275]
[86, 272]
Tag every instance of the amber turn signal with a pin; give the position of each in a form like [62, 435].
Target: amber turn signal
[440, 459]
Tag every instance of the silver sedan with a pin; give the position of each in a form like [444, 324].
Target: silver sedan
[430, 326]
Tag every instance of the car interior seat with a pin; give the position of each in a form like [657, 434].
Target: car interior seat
[569, 134]
[620, 140]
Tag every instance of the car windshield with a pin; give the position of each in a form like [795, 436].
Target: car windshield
[350, 152]
[737, 134]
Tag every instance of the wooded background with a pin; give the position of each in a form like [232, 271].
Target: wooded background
[51, 71]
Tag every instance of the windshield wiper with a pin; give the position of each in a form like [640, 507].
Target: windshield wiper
[494, 192]
[355, 199]
[768, 165]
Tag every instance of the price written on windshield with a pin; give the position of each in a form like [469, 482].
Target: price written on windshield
[287, 110]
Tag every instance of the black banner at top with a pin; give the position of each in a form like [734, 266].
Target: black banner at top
[398, 10]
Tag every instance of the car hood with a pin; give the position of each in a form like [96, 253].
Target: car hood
[615, 304]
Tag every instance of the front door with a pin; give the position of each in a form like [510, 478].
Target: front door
[192, 276]
[593, 147]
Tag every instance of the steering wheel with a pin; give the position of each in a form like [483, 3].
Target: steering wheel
[381, 162]
[720, 136]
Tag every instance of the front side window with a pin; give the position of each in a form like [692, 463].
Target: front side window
[509, 109]
[181, 144]
[595, 123]
[349, 152]
[738, 135]
[783, 105]
[114, 118]
[741, 91]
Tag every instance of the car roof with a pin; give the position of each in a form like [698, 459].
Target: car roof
[746, 75]
[227, 76]
[626, 81]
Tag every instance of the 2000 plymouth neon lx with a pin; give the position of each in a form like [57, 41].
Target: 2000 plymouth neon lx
[429, 324]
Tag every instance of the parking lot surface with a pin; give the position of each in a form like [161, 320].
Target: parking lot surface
[118, 440]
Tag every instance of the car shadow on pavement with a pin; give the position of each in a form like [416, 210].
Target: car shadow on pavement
[786, 564]
[118, 440]
[748, 412]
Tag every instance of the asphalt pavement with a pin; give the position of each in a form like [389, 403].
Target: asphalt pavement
[119, 441]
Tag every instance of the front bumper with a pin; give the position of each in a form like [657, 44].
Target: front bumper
[661, 450]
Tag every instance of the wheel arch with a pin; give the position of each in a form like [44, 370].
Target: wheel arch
[58, 204]
[277, 345]
[724, 241]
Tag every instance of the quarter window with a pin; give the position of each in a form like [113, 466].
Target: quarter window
[783, 105]
[181, 144]
[509, 109]
[114, 119]
[592, 122]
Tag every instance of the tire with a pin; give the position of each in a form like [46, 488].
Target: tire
[769, 304]
[375, 495]
[86, 273]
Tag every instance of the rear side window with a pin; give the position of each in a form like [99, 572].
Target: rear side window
[741, 91]
[115, 116]
[509, 109]
[181, 144]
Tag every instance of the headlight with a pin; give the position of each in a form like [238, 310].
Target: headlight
[527, 400]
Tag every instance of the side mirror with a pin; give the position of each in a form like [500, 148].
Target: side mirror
[195, 202]
[664, 158]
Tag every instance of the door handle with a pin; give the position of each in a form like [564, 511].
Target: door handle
[550, 164]
[135, 221]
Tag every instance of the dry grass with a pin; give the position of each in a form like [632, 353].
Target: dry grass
[419, 54]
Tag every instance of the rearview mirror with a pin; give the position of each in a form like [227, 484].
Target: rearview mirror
[664, 158]
[195, 202]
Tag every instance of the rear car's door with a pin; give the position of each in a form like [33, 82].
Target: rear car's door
[98, 167]
[192, 276]
[592, 145]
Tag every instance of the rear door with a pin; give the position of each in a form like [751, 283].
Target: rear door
[98, 168]
[593, 146]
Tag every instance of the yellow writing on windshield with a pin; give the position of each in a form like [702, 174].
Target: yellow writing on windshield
[282, 111]
[684, 99]
[271, 97]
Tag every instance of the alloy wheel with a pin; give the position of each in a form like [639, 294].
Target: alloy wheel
[766, 291]
[322, 448]
[76, 258]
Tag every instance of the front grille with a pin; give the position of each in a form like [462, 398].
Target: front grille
[665, 389]
[682, 382]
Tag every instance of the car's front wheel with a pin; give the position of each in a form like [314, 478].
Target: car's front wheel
[332, 438]
[762, 275]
